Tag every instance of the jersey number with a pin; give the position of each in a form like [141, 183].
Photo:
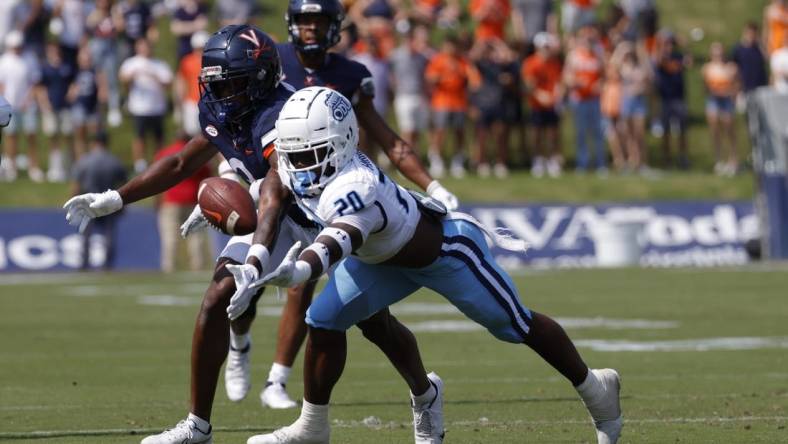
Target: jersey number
[239, 168]
[351, 200]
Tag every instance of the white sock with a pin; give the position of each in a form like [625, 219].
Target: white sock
[201, 424]
[424, 398]
[591, 388]
[279, 374]
[238, 342]
[314, 417]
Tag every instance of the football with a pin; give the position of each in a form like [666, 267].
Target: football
[227, 205]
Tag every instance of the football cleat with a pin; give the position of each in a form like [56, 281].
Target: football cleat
[606, 411]
[428, 418]
[275, 396]
[292, 434]
[185, 432]
[236, 373]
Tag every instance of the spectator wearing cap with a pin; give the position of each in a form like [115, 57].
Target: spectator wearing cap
[670, 73]
[56, 78]
[95, 172]
[174, 207]
[148, 80]
[189, 17]
[448, 74]
[541, 74]
[531, 17]
[17, 85]
[721, 78]
[187, 88]
[583, 78]
[103, 32]
[408, 63]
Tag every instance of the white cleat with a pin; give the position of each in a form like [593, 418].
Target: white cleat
[292, 434]
[275, 396]
[606, 412]
[428, 418]
[185, 432]
[236, 373]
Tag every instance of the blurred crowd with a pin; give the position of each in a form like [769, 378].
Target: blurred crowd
[484, 85]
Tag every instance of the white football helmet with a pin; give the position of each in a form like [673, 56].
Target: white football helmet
[317, 137]
[5, 112]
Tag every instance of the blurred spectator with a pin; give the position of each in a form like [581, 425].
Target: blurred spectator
[148, 81]
[749, 58]
[371, 56]
[234, 12]
[134, 21]
[408, 66]
[641, 18]
[530, 17]
[375, 19]
[174, 207]
[576, 14]
[610, 104]
[17, 85]
[56, 78]
[541, 73]
[775, 24]
[68, 23]
[490, 57]
[103, 32]
[721, 78]
[88, 89]
[7, 24]
[490, 17]
[95, 172]
[187, 88]
[636, 79]
[32, 18]
[779, 65]
[583, 76]
[444, 13]
[671, 67]
[447, 75]
[190, 17]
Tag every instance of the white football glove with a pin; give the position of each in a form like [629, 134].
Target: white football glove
[244, 275]
[194, 223]
[436, 191]
[81, 209]
[285, 274]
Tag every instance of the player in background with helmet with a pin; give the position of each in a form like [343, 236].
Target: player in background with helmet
[314, 27]
[5, 115]
[381, 243]
[242, 96]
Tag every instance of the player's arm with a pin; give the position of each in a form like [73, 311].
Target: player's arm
[169, 171]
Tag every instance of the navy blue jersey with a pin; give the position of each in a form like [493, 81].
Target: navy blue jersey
[248, 153]
[350, 78]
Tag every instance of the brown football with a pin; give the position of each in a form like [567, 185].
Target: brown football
[227, 205]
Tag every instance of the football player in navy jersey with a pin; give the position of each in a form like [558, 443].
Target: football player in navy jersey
[242, 95]
[314, 27]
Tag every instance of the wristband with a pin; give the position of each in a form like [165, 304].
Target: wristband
[260, 252]
[342, 237]
[321, 250]
[433, 186]
[302, 271]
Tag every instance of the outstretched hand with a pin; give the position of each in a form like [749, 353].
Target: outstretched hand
[282, 276]
[81, 209]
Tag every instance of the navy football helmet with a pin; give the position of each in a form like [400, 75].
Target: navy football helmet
[330, 8]
[240, 66]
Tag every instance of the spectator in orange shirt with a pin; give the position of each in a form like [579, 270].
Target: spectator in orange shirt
[187, 88]
[174, 207]
[775, 24]
[490, 17]
[583, 77]
[541, 74]
[448, 75]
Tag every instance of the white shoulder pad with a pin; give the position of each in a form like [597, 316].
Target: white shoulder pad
[352, 191]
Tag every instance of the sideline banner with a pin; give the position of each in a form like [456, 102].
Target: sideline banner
[669, 234]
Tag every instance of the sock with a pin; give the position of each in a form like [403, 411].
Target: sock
[238, 342]
[591, 387]
[279, 374]
[424, 398]
[201, 424]
[314, 417]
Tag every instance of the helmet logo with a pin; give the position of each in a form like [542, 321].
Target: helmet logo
[311, 8]
[250, 36]
[211, 130]
[338, 105]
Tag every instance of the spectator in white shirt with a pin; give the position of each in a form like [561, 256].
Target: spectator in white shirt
[17, 84]
[148, 80]
[779, 66]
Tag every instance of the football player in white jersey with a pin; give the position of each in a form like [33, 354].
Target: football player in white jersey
[381, 243]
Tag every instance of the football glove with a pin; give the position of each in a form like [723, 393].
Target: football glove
[436, 191]
[81, 209]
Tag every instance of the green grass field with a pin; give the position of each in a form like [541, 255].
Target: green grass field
[104, 358]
